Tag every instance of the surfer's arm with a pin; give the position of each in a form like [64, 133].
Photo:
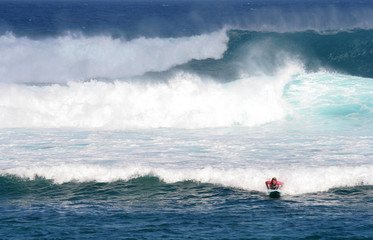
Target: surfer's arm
[267, 184]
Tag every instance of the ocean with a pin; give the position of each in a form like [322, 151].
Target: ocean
[162, 119]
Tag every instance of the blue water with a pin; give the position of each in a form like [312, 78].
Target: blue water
[149, 208]
[163, 119]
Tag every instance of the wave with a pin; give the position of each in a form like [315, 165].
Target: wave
[224, 55]
[134, 105]
[74, 57]
[251, 52]
[292, 98]
[297, 180]
[222, 79]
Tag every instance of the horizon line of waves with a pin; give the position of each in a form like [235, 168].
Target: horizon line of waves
[318, 179]
[77, 57]
[200, 16]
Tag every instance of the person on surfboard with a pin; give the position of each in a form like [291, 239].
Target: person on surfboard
[273, 184]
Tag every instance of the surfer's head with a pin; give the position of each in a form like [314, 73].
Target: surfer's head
[274, 181]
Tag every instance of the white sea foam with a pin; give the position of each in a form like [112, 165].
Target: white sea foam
[75, 57]
[186, 101]
[296, 180]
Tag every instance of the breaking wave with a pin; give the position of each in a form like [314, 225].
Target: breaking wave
[251, 179]
[186, 101]
[75, 57]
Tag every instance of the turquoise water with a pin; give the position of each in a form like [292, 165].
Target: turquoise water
[163, 119]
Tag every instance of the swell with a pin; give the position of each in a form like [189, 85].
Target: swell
[258, 52]
[320, 179]
[139, 190]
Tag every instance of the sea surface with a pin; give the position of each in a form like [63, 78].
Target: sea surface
[162, 119]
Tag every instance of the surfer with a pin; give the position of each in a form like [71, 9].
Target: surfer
[273, 184]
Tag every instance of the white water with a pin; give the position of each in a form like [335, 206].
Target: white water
[235, 157]
[188, 101]
[185, 101]
[257, 128]
[297, 180]
[75, 57]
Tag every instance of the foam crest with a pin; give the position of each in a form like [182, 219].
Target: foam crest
[186, 101]
[296, 180]
[71, 57]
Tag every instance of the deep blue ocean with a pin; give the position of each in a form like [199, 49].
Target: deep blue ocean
[162, 119]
